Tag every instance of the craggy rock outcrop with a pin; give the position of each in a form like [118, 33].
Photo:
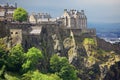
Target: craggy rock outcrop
[114, 72]
[94, 58]
[91, 56]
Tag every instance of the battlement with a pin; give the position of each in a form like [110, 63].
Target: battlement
[6, 12]
[8, 6]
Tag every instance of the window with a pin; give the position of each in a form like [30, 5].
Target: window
[16, 32]
[11, 32]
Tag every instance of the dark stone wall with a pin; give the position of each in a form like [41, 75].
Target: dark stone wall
[6, 26]
[114, 72]
[3, 29]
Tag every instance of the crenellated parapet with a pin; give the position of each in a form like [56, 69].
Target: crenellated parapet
[6, 12]
[75, 19]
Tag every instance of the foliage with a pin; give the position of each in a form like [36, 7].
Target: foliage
[3, 44]
[56, 63]
[2, 71]
[62, 68]
[89, 41]
[36, 75]
[3, 56]
[20, 15]
[15, 58]
[27, 76]
[10, 77]
[32, 58]
[68, 73]
[39, 76]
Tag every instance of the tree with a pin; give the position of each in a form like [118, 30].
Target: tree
[3, 56]
[56, 63]
[68, 73]
[39, 76]
[15, 58]
[32, 59]
[11, 77]
[36, 75]
[62, 68]
[3, 51]
[20, 15]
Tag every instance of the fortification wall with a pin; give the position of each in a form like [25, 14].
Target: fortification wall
[3, 29]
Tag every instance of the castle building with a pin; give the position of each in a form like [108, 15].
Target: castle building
[74, 19]
[40, 18]
[6, 12]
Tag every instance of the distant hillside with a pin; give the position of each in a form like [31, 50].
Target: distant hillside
[107, 31]
[105, 27]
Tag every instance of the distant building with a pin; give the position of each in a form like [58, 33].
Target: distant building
[33, 18]
[6, 12]
[40, 18]
[71, 19]
[75, 19]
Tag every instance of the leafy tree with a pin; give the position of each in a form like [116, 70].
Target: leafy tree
[2, 70]
[62, 68]
[10, 77]
[56, 63]
[68, 73]
[3, 56]
[39, 76]
[15, 58]
[36, 75]
[27, 76]
[3, 44]
[3, 51]
[32, 58]
[20, 15]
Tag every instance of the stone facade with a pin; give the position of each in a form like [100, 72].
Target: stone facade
[75, 19]
[6, 12]
[40, 18]
[16, 36]
[72, 20]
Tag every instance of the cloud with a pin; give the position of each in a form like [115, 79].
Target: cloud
[96, 10]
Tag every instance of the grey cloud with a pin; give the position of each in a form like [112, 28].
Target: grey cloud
[96, 10]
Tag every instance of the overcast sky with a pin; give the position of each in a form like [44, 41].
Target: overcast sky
[100, 11]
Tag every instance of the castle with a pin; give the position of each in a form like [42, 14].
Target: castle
[40, 18]
[6, 12]
[75, 19]
[71, 20]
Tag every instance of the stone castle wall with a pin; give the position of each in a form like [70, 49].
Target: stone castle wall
[6, 12]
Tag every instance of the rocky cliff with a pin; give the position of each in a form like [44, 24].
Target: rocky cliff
[94, 58]
[91, 56]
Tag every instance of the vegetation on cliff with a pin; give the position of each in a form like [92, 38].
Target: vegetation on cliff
[80, 56]
[15, 64]
[20, 15]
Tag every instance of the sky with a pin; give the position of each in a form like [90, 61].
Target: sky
[97, 11]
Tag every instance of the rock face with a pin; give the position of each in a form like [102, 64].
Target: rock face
[114, 72]
[94, 58]
[91, 56]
